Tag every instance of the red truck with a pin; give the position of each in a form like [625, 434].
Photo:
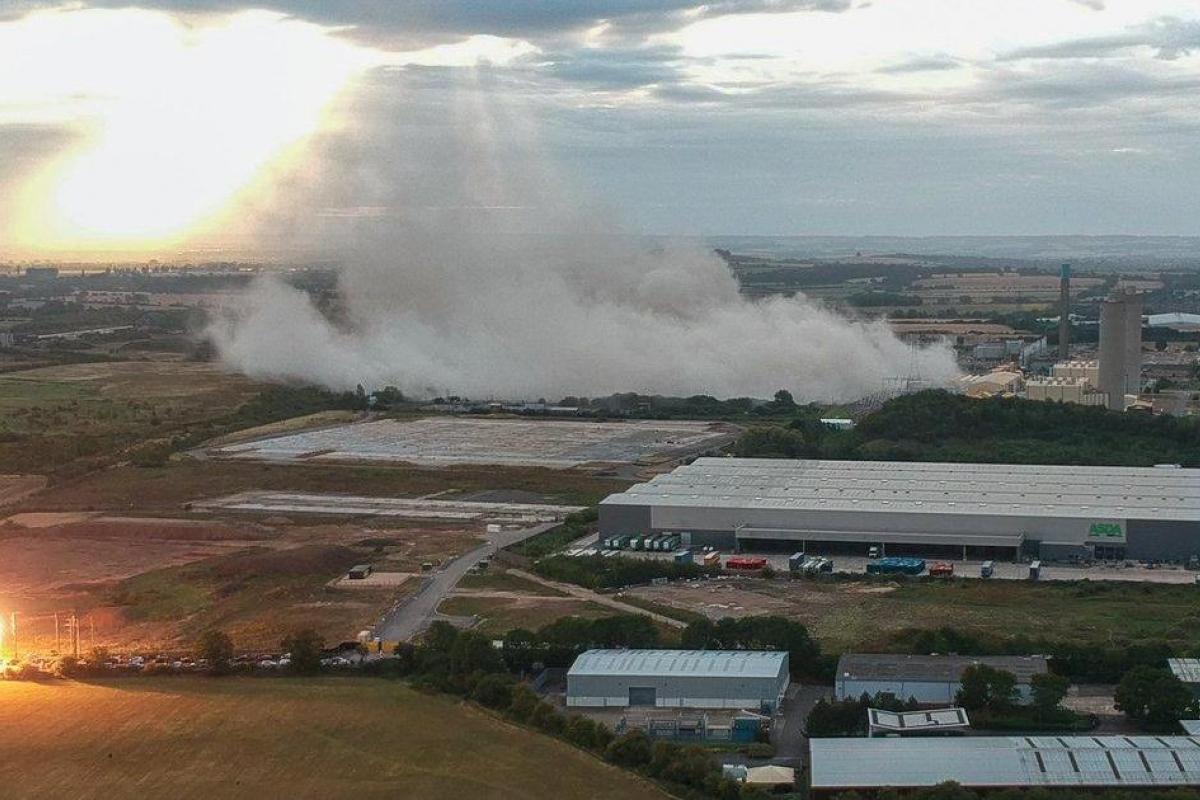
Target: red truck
[942, 568]
[743, 563]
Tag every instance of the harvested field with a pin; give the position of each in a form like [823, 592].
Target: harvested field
[444, 441]
[202, 739]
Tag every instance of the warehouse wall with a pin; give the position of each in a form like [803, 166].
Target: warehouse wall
[926, 692]
[1163, 539]
[700, 692]
[624, 520]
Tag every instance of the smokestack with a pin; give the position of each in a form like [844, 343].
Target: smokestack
[1121, 346]
[1064, 313]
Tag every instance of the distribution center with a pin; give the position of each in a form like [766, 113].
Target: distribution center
[983, 510]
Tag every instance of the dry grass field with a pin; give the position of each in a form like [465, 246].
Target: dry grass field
[210, 739]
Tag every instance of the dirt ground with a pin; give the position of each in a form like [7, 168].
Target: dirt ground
[149, 583]
[18, 487]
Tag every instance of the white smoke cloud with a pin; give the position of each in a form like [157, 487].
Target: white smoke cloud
[439, 296]
[479, 314]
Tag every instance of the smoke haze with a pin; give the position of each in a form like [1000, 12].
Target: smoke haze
[478, 280]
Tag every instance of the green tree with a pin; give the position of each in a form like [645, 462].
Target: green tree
[473, 652]
[983, 687]
[216, 648]
[305, 647]
[631, 749]
[1154, 697]
[494, 691]
[1048, 692]
[524, 702]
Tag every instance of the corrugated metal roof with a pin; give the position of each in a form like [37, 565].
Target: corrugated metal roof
[1186, 669]
[918, 720]
[948, 668]
[680, 663]
[1190, 726]
[997, 761]
[922, 487]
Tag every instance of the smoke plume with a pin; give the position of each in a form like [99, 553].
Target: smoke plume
[440, 296]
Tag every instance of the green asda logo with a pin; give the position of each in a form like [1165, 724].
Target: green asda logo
[1105, 529]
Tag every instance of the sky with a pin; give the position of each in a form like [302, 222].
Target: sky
[206, 123]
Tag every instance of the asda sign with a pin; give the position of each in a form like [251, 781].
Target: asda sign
[1106, 530]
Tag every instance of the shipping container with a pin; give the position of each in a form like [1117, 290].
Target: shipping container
[896, 566]
[684, 557]
[745, 563]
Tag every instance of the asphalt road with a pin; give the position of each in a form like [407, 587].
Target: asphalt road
[415, 613]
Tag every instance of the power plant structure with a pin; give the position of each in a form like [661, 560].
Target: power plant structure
[1120, 347]
[1064, 313]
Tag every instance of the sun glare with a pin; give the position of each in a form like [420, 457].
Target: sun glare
[174, 120]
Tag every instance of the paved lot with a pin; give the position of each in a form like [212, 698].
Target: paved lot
[442, 441]
[1004, 570]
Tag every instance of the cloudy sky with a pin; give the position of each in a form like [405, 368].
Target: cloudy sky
[129, 127]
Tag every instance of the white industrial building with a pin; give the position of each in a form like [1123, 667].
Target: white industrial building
[987, 510]
[930, 680]
[998, 762]
[742, 679]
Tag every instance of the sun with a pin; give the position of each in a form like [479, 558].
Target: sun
[172, 120]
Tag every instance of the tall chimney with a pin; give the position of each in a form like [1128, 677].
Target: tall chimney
[1064, 313]
[1120, 346]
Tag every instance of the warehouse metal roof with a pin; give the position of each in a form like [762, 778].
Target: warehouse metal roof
[918, 721]
[1186, 669]
[1190, 726]
[922, 487]
[943, 668]
[999, 761]
[680, 663]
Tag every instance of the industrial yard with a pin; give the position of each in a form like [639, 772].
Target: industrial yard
[445, 441]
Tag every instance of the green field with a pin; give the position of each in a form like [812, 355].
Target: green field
[252, 737]
[496, 581]
[847, 615]
[500, 615]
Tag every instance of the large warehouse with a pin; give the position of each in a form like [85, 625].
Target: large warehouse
[996, 762]
[929, 679]
[745, 679]
[983, 510]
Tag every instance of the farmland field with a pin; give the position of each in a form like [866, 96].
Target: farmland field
[234, 738]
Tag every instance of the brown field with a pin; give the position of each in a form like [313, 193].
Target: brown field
[168, 488]
[237, 738]
[18, 487]
[149, 583]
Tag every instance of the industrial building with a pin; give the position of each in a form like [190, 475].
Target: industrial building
[745, 679]
[1120, 373]
[933, 722]
[1188, 671]
[998, 762]
[927, 679]
[959, 510]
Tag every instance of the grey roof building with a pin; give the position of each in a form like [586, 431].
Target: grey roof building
[986, 762]
[747, 679]
[929, 679]
[996, 509]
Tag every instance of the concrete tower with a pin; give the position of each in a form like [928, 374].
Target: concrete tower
[1121, 346]
[1064, 313]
